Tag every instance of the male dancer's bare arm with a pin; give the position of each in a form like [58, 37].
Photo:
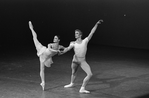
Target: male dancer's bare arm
[94, 29]
[61, 48]
[67, 49]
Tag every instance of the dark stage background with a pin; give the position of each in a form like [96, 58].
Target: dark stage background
[126, 22]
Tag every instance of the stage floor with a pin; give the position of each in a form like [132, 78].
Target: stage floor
[117, 73]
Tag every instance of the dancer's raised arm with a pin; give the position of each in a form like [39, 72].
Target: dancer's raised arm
[94, 29]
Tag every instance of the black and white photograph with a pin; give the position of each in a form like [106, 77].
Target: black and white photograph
[74, 49]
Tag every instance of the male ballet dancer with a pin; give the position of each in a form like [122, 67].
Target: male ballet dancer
[45, 54]
[80, 48]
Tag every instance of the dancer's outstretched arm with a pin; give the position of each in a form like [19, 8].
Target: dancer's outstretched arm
[67, 49]
[61, 48]
[94, 29]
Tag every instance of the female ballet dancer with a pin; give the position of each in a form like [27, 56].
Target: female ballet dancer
[44, 53]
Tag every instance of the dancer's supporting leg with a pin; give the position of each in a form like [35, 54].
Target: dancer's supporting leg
[87, 69]
[74, 67]
[42, 75]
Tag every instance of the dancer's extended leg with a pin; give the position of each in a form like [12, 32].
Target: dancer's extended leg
[74, 67]
[87, 69]
[38, 45]
[42, 75]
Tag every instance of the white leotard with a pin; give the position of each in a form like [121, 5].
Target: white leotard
[80, 48]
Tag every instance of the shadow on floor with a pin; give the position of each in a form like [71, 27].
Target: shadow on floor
[143, 96]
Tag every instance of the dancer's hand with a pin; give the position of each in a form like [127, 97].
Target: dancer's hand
[60, 52]
[99, 22]
[30, 25]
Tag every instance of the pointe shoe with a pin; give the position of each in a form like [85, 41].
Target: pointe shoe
[69, 85]
[82, 90]
[43, 86]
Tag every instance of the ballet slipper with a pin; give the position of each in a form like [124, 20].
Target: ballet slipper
[69, 85]
[82, 90]
[43, 86]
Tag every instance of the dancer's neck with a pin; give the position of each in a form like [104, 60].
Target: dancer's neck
[79, 40]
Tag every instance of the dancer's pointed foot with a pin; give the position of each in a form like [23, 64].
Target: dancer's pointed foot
[30, 25]
[82, 90]
[42, 85]
[69, 85]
